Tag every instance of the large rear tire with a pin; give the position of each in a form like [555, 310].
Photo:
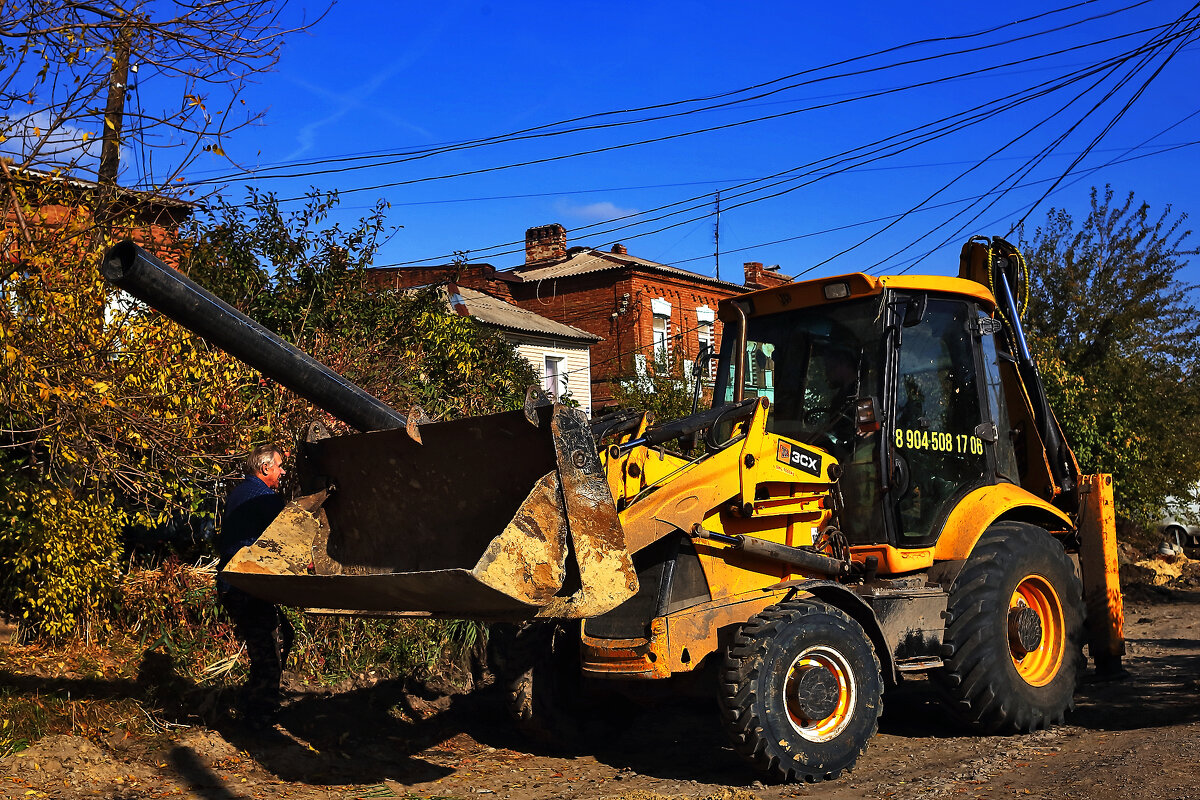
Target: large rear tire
[801, 691]
[1014, 640]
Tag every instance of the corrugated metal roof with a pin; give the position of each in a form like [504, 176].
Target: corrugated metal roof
[494, 311]
[589, 261]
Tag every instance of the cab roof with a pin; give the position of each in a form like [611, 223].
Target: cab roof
[804, 294]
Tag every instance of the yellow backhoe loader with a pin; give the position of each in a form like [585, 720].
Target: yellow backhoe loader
[880, 489]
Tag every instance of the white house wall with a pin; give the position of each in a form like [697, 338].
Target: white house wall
[576, 361]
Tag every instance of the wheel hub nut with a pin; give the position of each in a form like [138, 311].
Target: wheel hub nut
[1024, 630]
[816, 693]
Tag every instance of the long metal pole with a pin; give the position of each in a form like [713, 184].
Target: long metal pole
[174, 294]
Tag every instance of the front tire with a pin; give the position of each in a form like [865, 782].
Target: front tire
[538, 665]
[1015, 634]
[801, 691]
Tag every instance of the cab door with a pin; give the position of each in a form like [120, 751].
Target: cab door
[939, 427]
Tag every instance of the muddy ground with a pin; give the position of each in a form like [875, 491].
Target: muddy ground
[1138, 738]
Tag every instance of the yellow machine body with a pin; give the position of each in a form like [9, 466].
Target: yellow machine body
[743, 491]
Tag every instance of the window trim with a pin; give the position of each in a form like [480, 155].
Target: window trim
[661, 310]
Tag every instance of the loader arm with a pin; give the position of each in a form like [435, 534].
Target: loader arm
[759, 481]
[1000, 266]
[1089, 498]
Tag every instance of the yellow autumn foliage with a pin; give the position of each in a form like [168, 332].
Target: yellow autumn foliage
[60, 557]
[112, 417]
[116, 412]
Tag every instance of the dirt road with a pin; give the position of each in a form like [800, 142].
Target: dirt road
[1139, 738]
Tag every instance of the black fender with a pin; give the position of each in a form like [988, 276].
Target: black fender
[845, 599]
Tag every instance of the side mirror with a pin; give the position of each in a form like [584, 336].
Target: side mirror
[699, 370]
[867, 417]
[700, 365]
[914, 310]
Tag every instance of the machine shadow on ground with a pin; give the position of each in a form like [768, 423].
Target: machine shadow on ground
[1161, 690]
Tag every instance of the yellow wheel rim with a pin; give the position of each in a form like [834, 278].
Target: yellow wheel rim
[1039, 666]
[826, 658]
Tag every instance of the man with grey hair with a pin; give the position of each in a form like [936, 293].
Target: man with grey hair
[249, 509]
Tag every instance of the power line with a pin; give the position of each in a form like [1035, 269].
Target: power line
[715, 182]
[1149, 51]
[1081, 74]
[888, 147]
[554, 128]
[949, 203]
[1129, 104]
[914, 260]
[1055, 187]
[950, 124]
[693, 132]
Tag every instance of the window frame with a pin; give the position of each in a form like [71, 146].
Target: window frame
[557, 379]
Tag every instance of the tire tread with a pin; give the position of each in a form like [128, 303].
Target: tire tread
[977, 677]
[739, 675]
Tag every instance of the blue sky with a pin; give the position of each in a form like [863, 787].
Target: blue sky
[377, 77]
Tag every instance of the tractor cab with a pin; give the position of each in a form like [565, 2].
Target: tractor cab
[899, 380]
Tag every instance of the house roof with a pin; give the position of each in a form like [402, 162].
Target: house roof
[588, 261]
[134, 195]
[494, 311]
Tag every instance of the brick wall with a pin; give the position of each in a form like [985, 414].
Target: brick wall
[592, 303]
[545, 243]
[685, 297]
[612, 304]
[155, 229]
[759, 277]
[615, 305]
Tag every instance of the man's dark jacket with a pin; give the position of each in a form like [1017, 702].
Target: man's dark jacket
[249, 509]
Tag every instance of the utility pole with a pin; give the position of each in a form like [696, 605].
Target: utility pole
[717, 237]
[114, 109]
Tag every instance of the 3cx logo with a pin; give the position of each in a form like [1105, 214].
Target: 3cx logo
[800, 459]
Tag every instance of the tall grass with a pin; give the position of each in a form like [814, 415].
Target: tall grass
[174, 608]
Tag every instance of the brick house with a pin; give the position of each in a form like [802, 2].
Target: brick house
[633, 305]
[56, 203]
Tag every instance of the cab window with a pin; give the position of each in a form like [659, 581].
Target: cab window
[814, 364]
[938, 452]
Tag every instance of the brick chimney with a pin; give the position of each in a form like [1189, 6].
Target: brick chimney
[545, 243]
[760, 277]
[620, 249]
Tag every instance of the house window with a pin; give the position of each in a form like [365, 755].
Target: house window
[661, 338]
[662, 327]
[706, 340]
[556, 377]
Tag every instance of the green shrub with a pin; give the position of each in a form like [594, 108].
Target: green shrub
[174, 608]
[58, 556]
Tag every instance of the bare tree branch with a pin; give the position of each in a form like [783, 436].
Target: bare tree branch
[56, 58]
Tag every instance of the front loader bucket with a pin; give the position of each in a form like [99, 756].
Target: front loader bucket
[489, 517]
